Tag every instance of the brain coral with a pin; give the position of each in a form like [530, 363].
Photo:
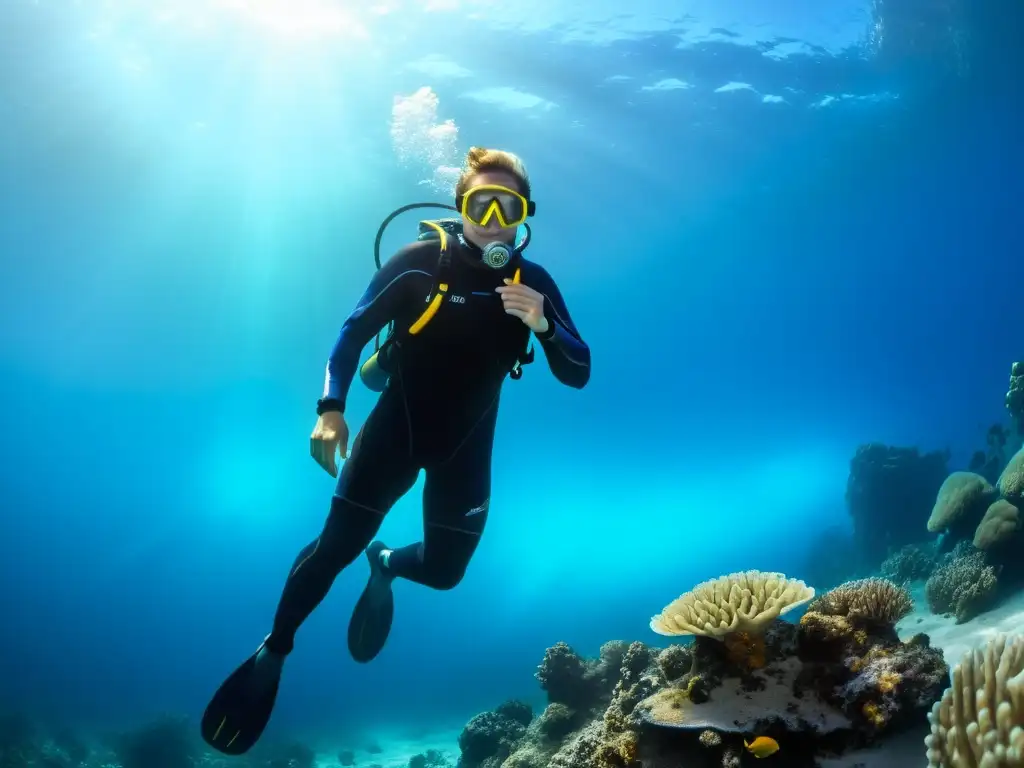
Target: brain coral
[1011, 481]
[961, 496]
[1001, 521]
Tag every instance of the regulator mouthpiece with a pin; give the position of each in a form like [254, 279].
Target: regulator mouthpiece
[496, 255]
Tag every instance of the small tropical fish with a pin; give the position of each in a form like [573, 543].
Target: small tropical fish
[762, 746]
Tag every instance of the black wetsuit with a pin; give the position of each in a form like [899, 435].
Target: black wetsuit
[437, 414]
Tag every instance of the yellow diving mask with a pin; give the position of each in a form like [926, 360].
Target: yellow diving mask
[493, 202]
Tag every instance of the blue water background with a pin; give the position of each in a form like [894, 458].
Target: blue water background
[187, 217]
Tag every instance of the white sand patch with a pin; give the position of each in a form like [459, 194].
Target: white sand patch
[956, 639]
[398, 751]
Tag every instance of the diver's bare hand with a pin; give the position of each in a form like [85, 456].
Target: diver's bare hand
[329, 435]
[525, 303]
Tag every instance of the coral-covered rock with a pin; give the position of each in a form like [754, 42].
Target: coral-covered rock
[517, 711]
[964, 585]
[488, 739]
[872, 600]
[889, 491]
[557, 721]
[610, 662]
[834, 683]
[1015, 396]
[912, 562]
[1011, 481]
[830, 675]
[527, 756]
[674, 662]
[580, 683]
[589, 748]
[563, 674]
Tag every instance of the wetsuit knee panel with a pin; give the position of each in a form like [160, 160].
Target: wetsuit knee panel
[444, 570]
[349, 529]
[445, 578]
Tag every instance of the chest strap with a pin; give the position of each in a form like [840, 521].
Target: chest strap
[375, 371]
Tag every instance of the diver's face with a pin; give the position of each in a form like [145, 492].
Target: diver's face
[493, 232]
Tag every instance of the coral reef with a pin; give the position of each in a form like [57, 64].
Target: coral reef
[983, 523]
[1015, 396]
[980, 522]
[557, 721]
[912, 562]
[674, 662]
[979, 722]
[562, 675]
[489, 738]
[569, 679]
[837, 681]
[1011, 479]
[888, 492]
[872, 600]
[963, 584]
[517, 711]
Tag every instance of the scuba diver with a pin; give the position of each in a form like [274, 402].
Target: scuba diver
[461, 304]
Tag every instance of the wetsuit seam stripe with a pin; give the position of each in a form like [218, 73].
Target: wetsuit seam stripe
[316, 547]
[382, 291]
[554, 309]
[454, 529]
[471, 430]
[565, 326]
[305, 560]
[408, 414]
[361, 506]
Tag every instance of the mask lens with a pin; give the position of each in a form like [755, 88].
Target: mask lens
[484, 205]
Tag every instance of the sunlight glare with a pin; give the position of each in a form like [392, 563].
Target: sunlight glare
[299, 19]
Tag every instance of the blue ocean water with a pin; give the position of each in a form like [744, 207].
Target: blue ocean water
[780, 236]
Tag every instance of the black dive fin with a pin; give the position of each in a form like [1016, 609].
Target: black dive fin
[370, 624]
[240, 709]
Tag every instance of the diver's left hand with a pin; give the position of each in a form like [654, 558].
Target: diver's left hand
[525, 303]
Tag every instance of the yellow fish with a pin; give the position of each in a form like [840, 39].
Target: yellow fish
[762, 746]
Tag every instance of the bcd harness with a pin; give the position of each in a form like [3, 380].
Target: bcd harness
[377, 368]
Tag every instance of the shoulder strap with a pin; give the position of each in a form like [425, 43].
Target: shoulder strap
[441, 281]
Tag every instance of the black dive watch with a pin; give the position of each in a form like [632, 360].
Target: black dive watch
[327, 404]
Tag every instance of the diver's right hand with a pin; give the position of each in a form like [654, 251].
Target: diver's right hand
[329, 435]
